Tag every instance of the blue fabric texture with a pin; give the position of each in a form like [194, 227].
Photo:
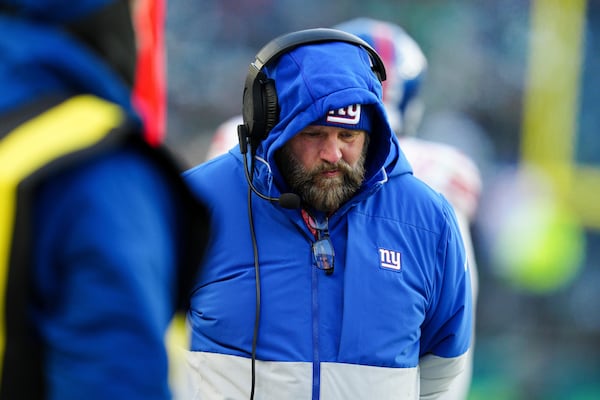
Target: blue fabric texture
[47, 60]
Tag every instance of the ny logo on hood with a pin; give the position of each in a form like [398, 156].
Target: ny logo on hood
[349, 115]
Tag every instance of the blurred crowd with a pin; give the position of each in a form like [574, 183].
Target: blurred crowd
[528, 124]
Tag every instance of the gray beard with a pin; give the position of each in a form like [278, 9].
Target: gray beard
[324, 194]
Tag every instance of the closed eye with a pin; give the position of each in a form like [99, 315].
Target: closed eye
[349, 136]
[312, 133]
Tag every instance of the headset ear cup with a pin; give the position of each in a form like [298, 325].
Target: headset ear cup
[271, 106]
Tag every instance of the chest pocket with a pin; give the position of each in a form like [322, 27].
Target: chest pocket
[386, 285]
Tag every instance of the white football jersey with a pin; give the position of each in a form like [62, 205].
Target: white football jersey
[447, 170]
[224, 138]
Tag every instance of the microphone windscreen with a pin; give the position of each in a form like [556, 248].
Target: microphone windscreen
[289, 200]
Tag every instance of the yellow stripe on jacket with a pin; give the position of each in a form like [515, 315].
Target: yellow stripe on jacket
[73, 125]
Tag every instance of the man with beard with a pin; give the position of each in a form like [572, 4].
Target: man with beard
[332, 273]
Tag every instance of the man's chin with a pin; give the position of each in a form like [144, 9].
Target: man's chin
[329, 182]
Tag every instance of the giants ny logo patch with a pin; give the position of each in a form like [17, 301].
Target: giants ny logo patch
[389, 259]
[347, 115]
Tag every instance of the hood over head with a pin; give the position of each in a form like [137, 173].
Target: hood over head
[68, 48]
[313, 79]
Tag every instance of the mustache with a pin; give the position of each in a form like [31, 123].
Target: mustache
[326, 166]
[321, 192]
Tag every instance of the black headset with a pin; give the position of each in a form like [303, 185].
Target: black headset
[260, 108]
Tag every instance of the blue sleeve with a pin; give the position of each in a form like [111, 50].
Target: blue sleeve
[448, 326]
[104, 273]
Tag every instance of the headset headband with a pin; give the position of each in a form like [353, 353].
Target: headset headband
[287, 42]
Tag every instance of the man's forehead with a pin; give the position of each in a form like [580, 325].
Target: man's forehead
[325, 128]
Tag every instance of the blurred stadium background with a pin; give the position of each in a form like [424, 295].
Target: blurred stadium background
[513, 83]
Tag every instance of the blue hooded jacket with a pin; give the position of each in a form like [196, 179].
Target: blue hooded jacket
[101, 250]
[392, 320]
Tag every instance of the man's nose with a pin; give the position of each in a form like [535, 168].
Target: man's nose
[331, 150]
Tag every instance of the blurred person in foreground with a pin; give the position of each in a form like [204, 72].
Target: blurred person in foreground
[333, 272]
[443, 167]
[99, 234]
